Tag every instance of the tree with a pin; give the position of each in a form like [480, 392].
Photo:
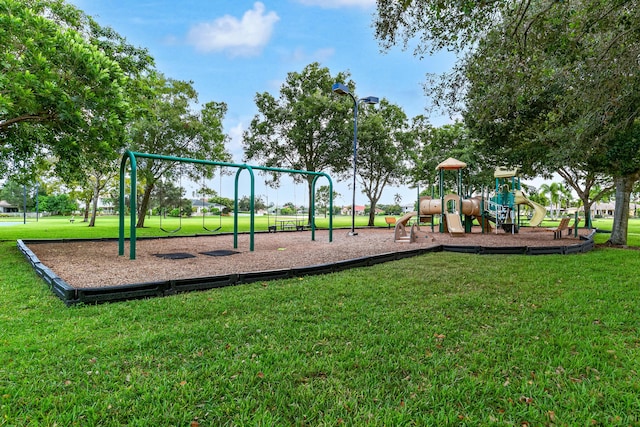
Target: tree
[624, 153]
[12, 192]
[391, 209]
[565, 196]
[168, 126]
[96, 179]
[322, 198]
[544, 85]
[435, 144]
[383, 145]
[64, 84]
[539, 198]
[60, 204]
[422, 169]
[244, 204]
[552, 191]
[288, 209]
[85, 198]
[99, 179]
[305, 128]
[186, 208]
[166, 197]
[551, 95]
[591, 187]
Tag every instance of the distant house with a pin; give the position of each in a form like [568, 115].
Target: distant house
[199, 205]
[5, 207]
[608, 209]
[105, 205]
[346, 210]
[408, 208]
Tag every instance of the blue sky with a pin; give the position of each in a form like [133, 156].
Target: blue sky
[233, 49]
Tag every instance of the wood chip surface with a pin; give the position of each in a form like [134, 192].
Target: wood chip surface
[91, 264]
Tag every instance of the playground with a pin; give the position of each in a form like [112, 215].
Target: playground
[90, 264]
[485, 224]
[492, 209]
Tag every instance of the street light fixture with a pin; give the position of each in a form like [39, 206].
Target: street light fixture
[342, 89]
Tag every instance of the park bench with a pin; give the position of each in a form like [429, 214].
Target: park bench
[390, 220]
[557, 231]
[72, 219]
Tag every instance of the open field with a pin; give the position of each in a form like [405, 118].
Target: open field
[107, 226]
[443, 339]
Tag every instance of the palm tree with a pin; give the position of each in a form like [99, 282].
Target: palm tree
[553, 193]
[539, 198]
[566, 195]
[397, 198]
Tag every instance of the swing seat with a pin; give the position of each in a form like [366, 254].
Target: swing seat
[272, 228]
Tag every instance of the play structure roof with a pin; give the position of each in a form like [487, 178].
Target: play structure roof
[505, 173]
[451, 163]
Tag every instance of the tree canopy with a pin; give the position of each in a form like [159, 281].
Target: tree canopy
[63, 86]
[432, 145]
[169, 125]
[544, 81]
[305, 128]
[561, 92]
[383, 146]
[543, 85]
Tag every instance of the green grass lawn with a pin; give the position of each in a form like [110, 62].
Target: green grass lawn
[107, 226]
[442, 339]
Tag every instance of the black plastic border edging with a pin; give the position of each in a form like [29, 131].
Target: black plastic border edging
[504, 250]
[58, 286]
[70, 295]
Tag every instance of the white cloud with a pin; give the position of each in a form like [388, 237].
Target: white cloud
[244, 37]
[334, 4]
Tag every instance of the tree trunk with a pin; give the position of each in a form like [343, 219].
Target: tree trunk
[86, 211]
[586, 204]
[144, 205]
[94, 203]
[620, 227]
[372, 212]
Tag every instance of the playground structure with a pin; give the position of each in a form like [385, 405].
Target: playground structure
[131, 156]
[457, 213]
[278, 259]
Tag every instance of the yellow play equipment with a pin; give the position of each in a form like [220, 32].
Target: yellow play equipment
[539, 211]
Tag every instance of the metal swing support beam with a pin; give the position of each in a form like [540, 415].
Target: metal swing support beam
[131, 156]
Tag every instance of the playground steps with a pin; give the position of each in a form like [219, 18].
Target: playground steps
[400, 233]
[405, 239]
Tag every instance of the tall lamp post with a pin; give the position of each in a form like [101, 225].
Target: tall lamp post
[342, 89]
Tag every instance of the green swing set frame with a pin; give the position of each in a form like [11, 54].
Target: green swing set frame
[131, 156]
